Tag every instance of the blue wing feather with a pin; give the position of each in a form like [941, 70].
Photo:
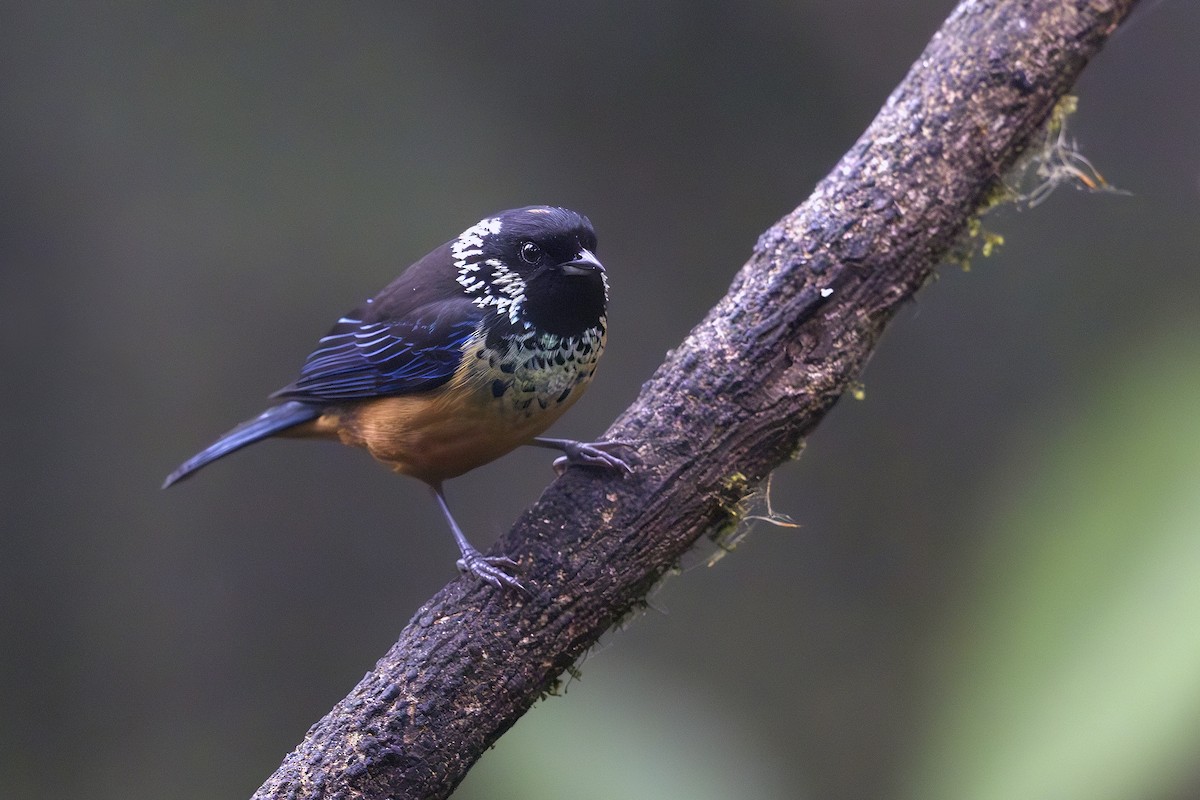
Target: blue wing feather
[360, 358]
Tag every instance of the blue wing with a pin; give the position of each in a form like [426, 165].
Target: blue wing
[360, 358]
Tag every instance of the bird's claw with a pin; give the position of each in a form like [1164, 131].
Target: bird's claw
[491, 570]
[595, 454]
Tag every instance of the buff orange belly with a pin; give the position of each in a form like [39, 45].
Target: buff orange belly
[434, 436]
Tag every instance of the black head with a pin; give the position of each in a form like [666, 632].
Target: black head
[536, 266]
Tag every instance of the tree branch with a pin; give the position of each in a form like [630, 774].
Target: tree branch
[728, 406]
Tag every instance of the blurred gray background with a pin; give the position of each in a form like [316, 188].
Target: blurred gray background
[991, 593]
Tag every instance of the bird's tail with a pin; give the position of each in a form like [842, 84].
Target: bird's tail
[268, 423]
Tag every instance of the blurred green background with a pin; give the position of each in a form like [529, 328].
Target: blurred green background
[995, 588]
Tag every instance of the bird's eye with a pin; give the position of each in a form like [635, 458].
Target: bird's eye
[530, 253]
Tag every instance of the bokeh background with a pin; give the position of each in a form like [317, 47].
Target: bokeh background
[994, 591]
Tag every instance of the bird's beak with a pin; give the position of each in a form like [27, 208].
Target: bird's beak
[585, 262]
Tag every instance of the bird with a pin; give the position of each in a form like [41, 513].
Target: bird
[473, 351]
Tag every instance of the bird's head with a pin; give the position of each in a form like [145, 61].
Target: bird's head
[535, 265]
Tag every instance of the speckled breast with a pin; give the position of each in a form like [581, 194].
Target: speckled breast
[531, 375]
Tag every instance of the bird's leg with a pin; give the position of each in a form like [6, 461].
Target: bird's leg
[587, 454]
[490, 569]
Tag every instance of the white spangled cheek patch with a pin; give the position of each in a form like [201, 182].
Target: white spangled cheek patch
[488, 282]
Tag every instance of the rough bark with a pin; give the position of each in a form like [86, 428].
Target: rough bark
[730, 404]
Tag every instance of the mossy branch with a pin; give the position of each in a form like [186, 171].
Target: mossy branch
[735, 398]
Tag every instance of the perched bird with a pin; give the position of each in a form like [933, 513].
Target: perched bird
[473, 351]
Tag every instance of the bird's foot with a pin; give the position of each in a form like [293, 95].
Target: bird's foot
[592, 454]
[490, 569]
